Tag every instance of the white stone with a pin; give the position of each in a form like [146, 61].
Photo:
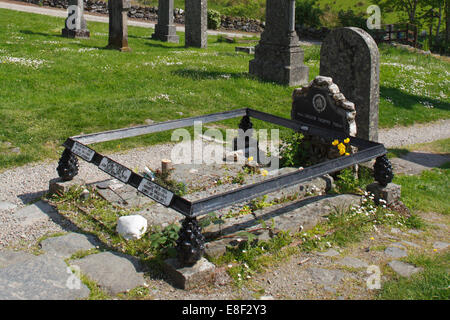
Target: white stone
[132, 227]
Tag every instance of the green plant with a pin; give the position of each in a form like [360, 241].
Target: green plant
[308, 13]
[350, 19]
[292, 154]
[164, 240]
[346, 181]
[214, 20]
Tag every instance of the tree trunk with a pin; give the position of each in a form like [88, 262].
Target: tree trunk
[447, 21]
[438, 30]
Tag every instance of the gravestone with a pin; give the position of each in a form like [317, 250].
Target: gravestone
[118, 24]
[322, 104]
[350, 57]
[196, 23]
[278, 56]
[165, 30]
[75, 24]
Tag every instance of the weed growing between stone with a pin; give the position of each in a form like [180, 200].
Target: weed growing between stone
[97, 216]
[342, 227]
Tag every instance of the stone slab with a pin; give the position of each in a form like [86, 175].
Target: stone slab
[440, 245]
[37, 212]
[325, 277]
[249, 50]
[44, 277]
[113, 272]
[391, 193]
[7, 205]
[329, 253]
[200, 274]
[352, 263]
[403, 269]
[57, 185]
[395, 252]
[11, 257]
[65, 246]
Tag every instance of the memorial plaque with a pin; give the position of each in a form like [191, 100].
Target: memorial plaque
[83, 151]
[156, 192]
[115, 169]
[321, 104]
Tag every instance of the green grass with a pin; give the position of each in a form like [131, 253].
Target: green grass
[430, 284]
[427, 191]
[77, 86]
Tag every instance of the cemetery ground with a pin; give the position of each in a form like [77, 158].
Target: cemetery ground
[53, 88]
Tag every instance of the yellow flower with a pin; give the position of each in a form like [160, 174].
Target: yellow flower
[435, 250]
[250, 159]
[347, 154]
[372, 238]
[347, 140]
[335, 142]
[264, 173]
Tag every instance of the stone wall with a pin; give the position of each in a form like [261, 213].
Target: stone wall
[151, 14]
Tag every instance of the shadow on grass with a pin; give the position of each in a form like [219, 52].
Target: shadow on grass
[405, 100]
[196, 74]
[156, 44]
[29, 32]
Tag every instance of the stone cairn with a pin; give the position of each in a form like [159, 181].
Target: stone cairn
[75, 24]
[278, 56]
[321, 103]
[165, 30]
[196, 23]
[118, 24]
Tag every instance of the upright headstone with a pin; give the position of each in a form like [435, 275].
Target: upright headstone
[118, 24]
[75, 25]
[165, 30]
[350, 57]
[278, 56]
[196, 23]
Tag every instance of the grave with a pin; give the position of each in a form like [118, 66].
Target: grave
[118, 24]
[350, 57]
[196, 23]
[165, 30]
[75, 24]
[278, 56]
[191, 243]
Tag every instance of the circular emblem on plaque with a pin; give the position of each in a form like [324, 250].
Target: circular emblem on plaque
[319, 103]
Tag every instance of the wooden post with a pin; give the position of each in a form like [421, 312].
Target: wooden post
[166, 166]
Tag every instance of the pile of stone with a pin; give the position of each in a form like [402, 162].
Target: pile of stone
[242, 24]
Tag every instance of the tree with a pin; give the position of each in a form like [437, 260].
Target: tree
[410, 7]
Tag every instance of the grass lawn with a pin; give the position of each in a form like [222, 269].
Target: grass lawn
[53, 87]
[430, 284]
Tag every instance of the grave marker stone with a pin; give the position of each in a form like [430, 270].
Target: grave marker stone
[350, 57]
[118, 24]
[75, 24]
[165, 30]
[278, 56]
[196, 23]
[322, 104]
